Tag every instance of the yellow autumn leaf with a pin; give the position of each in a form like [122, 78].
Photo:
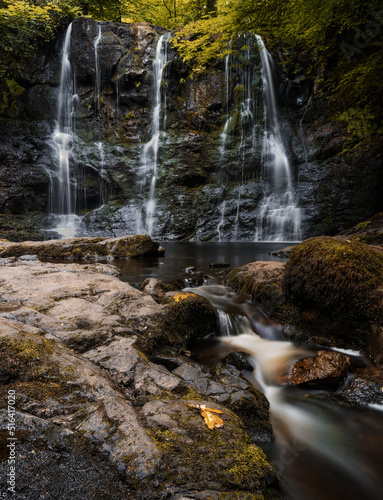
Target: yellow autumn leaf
[211, 420]
[214, 411]
[182, 296]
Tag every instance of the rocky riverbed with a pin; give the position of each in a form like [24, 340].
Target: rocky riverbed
[103, 387]
[108, 401]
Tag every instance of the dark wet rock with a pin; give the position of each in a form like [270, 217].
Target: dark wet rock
[369, 231]
[284, 253]
[218, 265]
[56, 462]
[365, 386]
[187, 317]
[324, 366]
[127, 247]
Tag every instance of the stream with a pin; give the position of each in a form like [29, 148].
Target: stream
[322, 449]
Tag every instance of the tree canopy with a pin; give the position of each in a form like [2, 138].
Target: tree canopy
[344, 40]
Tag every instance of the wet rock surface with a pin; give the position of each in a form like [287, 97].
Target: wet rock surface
[325, 366]
[76, 348]
[126, 247]
[369, 231]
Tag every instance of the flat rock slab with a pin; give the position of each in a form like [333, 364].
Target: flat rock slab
[126, 247]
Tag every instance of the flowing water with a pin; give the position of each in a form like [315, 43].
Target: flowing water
[149, 160]
[68, 181]
[279, 218]
[321, 450]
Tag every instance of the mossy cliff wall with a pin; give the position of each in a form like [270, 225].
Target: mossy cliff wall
[197, 180]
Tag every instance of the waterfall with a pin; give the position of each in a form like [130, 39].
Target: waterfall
[64, 199]
[149, 159]
[100, 147]
[62, 195]
[222, 221]
[97, 84]
[68, 184]
[224, 133]
[240, 121]
[247, 119]
[278, 218]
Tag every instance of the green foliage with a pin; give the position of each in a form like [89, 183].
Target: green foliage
[322, 28]
[23, 26]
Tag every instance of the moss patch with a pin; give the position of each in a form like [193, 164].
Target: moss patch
[222, 459]
[338, 281]
[180, 323]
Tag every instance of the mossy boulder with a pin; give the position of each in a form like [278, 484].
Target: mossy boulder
[187, 317]
[336, 285]
[194, 455]
[126, 247]
[262, 283]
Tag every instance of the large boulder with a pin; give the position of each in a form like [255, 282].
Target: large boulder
[329, 292]
[336, 284]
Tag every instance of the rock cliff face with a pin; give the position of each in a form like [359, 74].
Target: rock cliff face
[208, 167]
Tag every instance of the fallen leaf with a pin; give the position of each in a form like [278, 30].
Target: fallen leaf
[182, 296]
[211, 420]
[214, 411]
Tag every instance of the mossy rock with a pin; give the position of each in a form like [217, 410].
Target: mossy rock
[23, 227]
[339, 281]
[126, 247]
[181, 322]
[369, 231]
[196, 458]
[262, 283]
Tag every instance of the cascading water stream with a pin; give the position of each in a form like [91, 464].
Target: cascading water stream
[149, 160]
[101, 150]
[321, 449]
[279, 218]
[62, 188]
[68, 192]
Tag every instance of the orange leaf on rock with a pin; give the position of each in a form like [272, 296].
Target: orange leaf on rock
[211, 420]
[182, 296]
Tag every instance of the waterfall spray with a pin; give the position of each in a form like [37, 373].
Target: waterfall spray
[149, 159]
[279, 218]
